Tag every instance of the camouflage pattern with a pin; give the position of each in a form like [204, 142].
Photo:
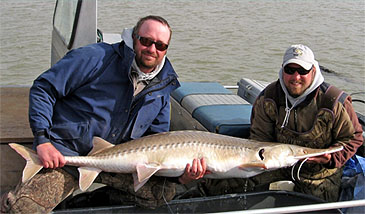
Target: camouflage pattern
[214, 187]
[41, 194]
[156, 192]
[315, 179]
[47, 189]
[325, 185]
[309, 125]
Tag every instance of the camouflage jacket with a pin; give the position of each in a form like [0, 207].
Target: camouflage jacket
[320, 121]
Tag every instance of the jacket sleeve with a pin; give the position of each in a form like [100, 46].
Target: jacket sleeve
[56, 83]
[347, 132]
[262, 126]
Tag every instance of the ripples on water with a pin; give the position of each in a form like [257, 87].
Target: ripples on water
[212, 40]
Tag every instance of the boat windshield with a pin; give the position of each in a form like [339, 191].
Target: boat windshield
[65, 19]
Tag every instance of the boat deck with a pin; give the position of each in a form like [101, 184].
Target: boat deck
[14, 128]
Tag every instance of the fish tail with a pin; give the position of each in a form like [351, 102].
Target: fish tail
[33, 164]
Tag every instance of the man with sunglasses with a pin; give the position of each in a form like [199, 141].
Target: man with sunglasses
[300, 108]
[118, 92]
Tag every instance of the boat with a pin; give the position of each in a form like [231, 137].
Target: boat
[206, 106]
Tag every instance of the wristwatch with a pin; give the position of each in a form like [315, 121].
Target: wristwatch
[40, 133]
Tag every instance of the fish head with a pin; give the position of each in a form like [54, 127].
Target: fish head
[286, 155]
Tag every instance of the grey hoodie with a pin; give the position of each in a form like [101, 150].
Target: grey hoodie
[294, 101]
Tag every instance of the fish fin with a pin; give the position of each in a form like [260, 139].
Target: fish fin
[99, 145]
[252, 165]
[145, 171]
[137, 184]
[87, 177]
[33, 164]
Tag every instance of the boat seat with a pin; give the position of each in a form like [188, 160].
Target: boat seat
[215, 107]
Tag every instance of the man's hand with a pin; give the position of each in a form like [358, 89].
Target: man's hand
[50, 156]
[322, 159]
[194, 172]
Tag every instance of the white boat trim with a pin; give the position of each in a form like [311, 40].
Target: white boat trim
[305, 208]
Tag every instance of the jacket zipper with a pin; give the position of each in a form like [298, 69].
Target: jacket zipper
[157, 89]
[296, 120]
[136, 101]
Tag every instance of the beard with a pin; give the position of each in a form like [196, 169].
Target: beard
[298, 87]
[147, 60]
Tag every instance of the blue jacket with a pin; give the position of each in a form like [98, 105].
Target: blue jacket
[89, 93]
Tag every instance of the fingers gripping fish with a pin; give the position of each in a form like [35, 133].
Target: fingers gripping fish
[166, 154]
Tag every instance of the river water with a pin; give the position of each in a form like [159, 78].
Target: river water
[213, 40]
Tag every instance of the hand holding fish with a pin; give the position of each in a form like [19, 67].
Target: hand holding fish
[194, 172]
[50, 156]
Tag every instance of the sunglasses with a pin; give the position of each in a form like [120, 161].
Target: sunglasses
[300, 70]
[148, 42]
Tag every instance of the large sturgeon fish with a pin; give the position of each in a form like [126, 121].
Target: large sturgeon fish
[166, 154]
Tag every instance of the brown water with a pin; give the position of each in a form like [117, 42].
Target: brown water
[219, 41]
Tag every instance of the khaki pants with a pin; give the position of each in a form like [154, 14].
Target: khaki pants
[48, 188]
